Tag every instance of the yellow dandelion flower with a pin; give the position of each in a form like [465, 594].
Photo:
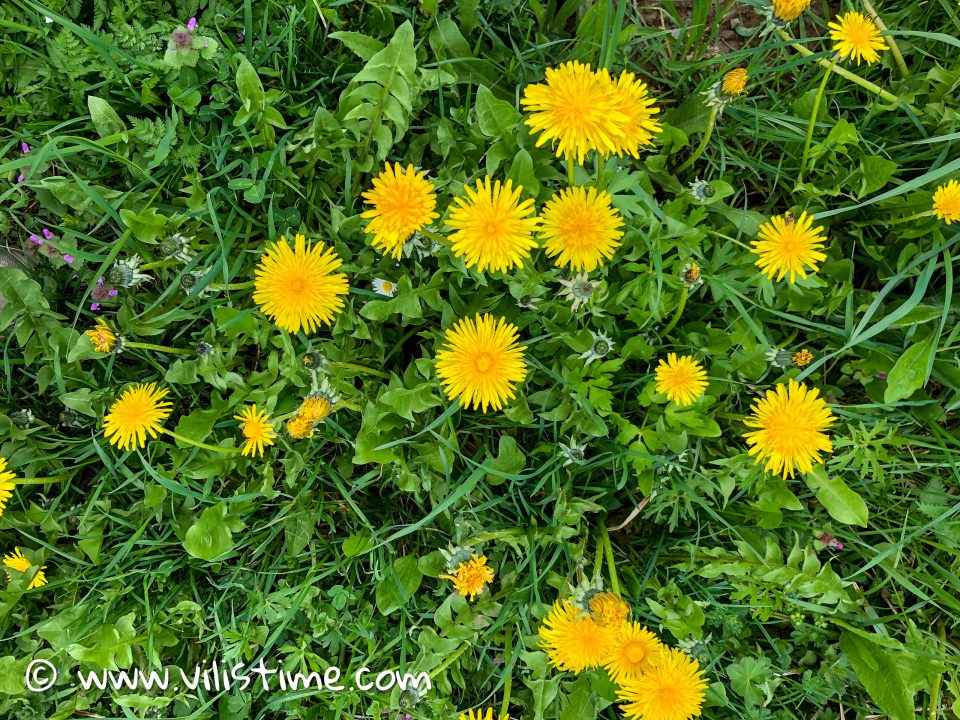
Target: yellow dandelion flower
[478, 715]
[791, 421]
[607, 609]
[6, 484]
[102, 337]
[315, 408]
[574, 641]
[577, 109]
[681, 379]
[673, 689]
[470, 578]
[636, 105]
[482, 362]
[16, 561]
[788, 10]
[582, 227]
[634, 651]
[257, 430]
[789, 245]
[801, 358]
[300, 427]
[734, 82]
[946, 202]
[137, 413]
[856, 36]
[298, 288]
[403, 202]
[494, 228]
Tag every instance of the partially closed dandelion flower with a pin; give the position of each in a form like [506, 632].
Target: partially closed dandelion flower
[607, 609]
[16, 561]
[403, 202]
[636, 105]
[482, 362]
[801, 358]
[632, 653]
[734, 82]
[315, 408]
[857, 37]
[257, 430]
[946, 202]
[581, 227]
[789, 246]
[577, 109]
[102, 337]
[6, 484]
[681, 379]
[470, 578]
[300, 428]
[137, 413]
[574, 641]
[788, 10]
[791, 422]
[478, 715]
[673, 689]
[494, 228]
[298, 288]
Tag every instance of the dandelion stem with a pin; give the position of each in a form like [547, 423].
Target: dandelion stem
[926, 213]
[570, 172]
[231, 286]
[678, 312]
[600, 168]
[433, 235]
[611, 566]
[711, 122]
[348, 405]
[159, 348]
[39, 480]
[844, 73]
[197, 443]
[508, 682]
[891, 42]
[360, 368]
[813, 120]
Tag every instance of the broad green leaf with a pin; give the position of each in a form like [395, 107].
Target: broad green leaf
[357, 544]
[109, 647]
[510, 460]
[398, 584]
[496, 118]
[210, 536]
[146, 225]
[362, 45]
[876, 172]
[105, 119]
[248, 84]
[843, 504]
[405, 402]
[843, 133]
[878, 670]
[909, 372]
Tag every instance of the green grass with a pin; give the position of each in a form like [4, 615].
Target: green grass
[326, 552]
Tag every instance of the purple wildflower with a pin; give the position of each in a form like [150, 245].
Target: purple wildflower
[24, 147]
[192, 24]
[113, 293]
[881, 376]
[35, 239]
[182, 40]
[240, 36]
[99, 293]
[47, 234]
[20, 178]
[94, 306]
[830, 541]
[497, 661]
[100, 281]
[68, 259]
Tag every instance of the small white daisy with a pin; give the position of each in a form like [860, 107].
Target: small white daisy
[384, 287]
[599, 347]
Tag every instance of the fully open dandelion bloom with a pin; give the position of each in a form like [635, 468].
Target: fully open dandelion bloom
[734, 82]
[470, 578]
[102, 337]
[681, 379]
[673, 689]
[633, 652]
[789, 245]
[482, 362]
[856, 36]
[478, 715]
[403, 202]
[16, 561]
[137, 413]
[581, 227]
[574, 641]
[788, 10]
[636, 105]
[791, 421]
[298, 288]
[6, 484]
[257, 430]
[607, 609]
[577, 109]
[494, 228]
[946, 202]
